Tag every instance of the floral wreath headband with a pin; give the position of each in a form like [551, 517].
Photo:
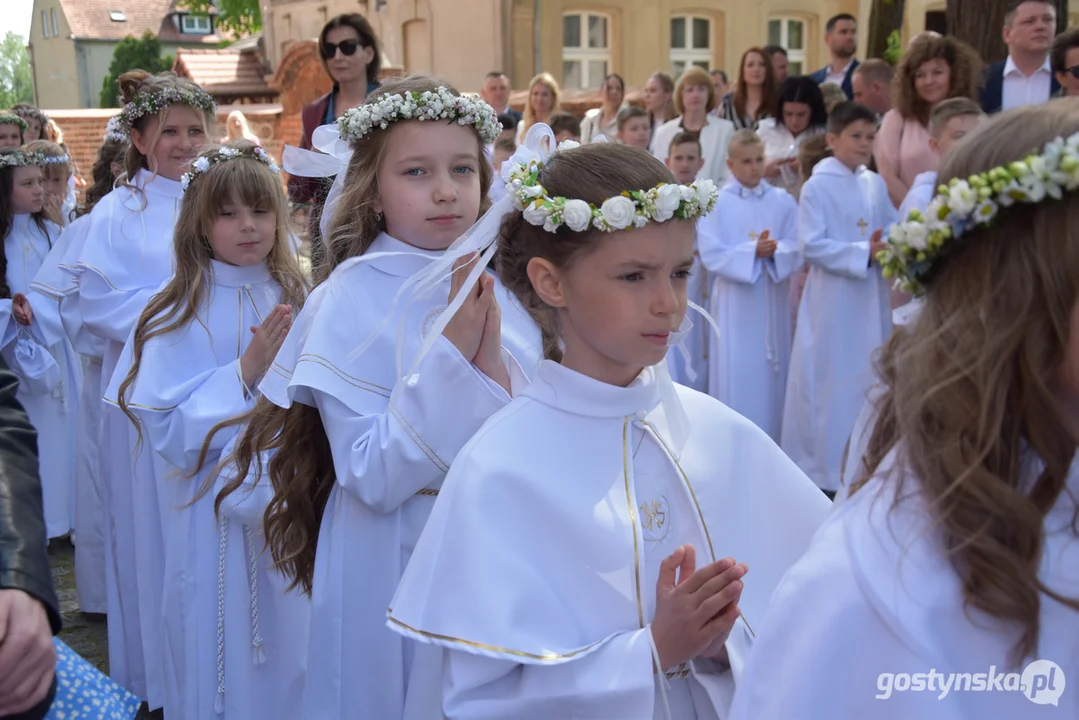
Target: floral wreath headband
[154, 101]
[21, 158]
[7, 118]
[918, 246]
[224, 154]
[439, 104]
[629, 209]
[115, 130]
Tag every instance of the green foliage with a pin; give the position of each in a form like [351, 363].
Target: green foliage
[894, 53]
[16, 80]
[242, 17]
[132, 54]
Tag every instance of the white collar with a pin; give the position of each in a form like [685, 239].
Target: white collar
[227, 275]
[1010, 67]
[559, 387]
[843, 72]
[733, 185]
[398, 258]
[159, 185]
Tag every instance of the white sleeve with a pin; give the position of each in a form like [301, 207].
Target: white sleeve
[614, 681]
[108, 312]
[731, 258]
[838, 257]
[179, 433]
[385, 459]
[247, 504]
[787, 258]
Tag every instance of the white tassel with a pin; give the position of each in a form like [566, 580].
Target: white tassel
[258, 655]
[219, 703]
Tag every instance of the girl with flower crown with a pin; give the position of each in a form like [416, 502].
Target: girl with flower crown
[956, 555]
[12, 130]
[33, 343]
[587, 553]
[360, 437]
[56, 174]
[125, 259]
[193, 360]
[58, 280]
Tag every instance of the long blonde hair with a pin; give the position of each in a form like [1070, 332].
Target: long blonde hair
[50, 170]
[968, 399]
[244, 180]
[133, 83]
[238, 118]
[551, 84]
[301, 467]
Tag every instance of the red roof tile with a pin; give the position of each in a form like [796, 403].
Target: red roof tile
[224, 72]
[90, 19]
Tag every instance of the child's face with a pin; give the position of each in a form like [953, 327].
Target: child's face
[182, 136]
[241, 235]
[27, 194]
[55, 181]
[746, 163]
[429, 183]
[636, 132]
[10, 137]
[566, 135]
[685, 161]
[619, 301]
[854, 146]
[34, 132]
[953, 131]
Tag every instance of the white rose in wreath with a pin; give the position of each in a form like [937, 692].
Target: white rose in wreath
[577, 215]
[705, 190]
[668, 198]
[618, 212]
[536, 214]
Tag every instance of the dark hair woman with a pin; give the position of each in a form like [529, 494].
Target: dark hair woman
[351, 57]
[799, 114]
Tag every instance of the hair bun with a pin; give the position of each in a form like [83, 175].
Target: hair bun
[129, 84]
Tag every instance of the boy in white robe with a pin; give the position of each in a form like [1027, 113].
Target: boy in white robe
[950, 121]
[845, 313]
[749, 246]
[689, 363]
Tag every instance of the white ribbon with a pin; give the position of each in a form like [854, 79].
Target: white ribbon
[329, 158]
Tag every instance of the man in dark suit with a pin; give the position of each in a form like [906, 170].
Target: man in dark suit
[841, 34]
[496, 93]
[1026, 77]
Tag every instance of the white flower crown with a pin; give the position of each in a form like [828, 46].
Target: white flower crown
[56, 159]
[632, 208]
[917, 246]
[21, 158]
[115, 130]
[8, 118]
[224, 154]
[153, 102]
[440, 104]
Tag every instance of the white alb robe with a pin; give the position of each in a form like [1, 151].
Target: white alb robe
[884, 598]
[392, 442]
[536, 573]
[58, 279]
[189, 381]
[748, 368]
[920, 194]
[52, 405]
[126, 258]
[844, 316]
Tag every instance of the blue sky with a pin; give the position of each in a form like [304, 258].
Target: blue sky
[16, 17]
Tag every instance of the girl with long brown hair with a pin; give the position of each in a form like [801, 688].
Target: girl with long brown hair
[755, 93]
[357, 443]
[945, 585]
[126, 258]
[197, 353]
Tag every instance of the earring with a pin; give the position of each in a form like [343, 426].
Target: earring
[378, 217]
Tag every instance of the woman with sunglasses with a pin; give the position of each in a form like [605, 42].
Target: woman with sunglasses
[1064, 58]
[351, 57]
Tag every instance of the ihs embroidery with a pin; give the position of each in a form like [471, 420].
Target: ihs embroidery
[655, 519]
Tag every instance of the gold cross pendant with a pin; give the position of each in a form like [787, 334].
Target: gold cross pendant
[754, 236]
[862, 225]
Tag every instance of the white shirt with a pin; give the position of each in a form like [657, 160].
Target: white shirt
[1020, 90]
[837, 78]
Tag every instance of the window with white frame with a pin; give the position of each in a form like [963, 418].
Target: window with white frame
[195, 24]
[45, 24]
[691, 43]
[586, 51]
[790, 34]
[55, 25]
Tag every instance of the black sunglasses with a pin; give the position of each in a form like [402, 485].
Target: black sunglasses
[348, 48]
[1074, 71]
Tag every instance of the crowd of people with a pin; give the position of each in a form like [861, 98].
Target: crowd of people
[566, 416]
